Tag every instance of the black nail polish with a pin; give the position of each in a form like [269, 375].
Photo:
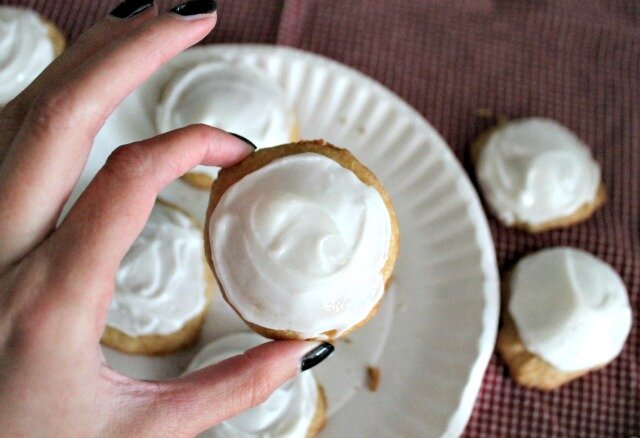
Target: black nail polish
[315, 356]
[131, 8]
[246, 140]
[195, 7]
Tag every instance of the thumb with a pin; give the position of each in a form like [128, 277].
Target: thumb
[204, 398]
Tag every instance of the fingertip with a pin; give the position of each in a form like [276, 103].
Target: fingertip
[217, 392]
[195, 10]
[246, 140]
[315, 355]
[224, 148]
[277, 351]
[133, 9]
[301, 355]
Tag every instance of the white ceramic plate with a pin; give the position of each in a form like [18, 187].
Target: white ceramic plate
[435, 332]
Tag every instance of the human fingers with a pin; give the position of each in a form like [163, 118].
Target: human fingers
[109, 215]
[52, 145]
[124, 18]
[204, 398]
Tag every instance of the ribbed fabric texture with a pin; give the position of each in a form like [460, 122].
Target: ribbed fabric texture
[575, 61]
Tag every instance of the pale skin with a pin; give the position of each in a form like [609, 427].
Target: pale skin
[56, 284]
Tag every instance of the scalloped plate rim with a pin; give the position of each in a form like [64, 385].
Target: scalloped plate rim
[486, 341]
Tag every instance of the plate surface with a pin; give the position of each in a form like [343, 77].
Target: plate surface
[436, 329]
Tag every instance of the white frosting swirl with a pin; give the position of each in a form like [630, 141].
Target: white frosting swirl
[299, 245]
[535, 170]
[287, 413]
[570, 308]
[235, 97]
[25, 50]
[161, 282]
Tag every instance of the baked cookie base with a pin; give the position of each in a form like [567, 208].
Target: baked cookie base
[155, 345]
[198, 180]
[152, 345]
[320, 418]
[580, 215]
[230, 175]
[525, 367]
[292, 336]
[56, 36]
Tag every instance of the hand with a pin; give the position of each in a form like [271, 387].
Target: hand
[56, 284]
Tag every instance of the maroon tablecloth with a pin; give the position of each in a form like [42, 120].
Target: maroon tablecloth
[576, 61]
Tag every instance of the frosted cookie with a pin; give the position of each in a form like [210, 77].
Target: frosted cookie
[537, 175]
[565, 313]
[233, 96]
[163, 287]
[302, 239]
[296, 410]
[28, 44]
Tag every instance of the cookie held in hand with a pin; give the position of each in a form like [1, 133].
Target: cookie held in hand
[302, 239]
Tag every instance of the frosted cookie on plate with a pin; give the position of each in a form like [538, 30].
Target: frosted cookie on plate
[234, 96]
[302, 239]
[163, 287]
[564, 314]
[28, 44]
[537, 175]
[296, 410]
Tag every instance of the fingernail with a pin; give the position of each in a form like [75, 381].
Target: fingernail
[131, 8]
[315, 356]
[246, 140]
[194, 8]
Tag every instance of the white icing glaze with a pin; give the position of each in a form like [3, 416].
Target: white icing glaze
[570, 308]
[161, 282]
[25, 50]
[287, 413]
[536, 170]
[235, 97]
[299, 245]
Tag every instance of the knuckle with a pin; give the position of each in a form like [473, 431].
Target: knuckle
[129, 162]
[52, 112]
[31, 324]
[147, 39]
[258, 389]
[201, 132]
[29, 308]
[202, 136]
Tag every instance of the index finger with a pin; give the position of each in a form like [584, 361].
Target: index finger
[112, 211]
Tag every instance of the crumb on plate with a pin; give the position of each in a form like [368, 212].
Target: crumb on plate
[373, 378]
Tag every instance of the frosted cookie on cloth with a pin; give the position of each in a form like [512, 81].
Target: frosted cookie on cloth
[233, 96]
[28, 44]
[296, 410]
[163, 287]
[536, 175]
[302, 239]
[564, 314]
